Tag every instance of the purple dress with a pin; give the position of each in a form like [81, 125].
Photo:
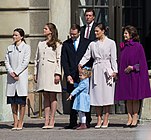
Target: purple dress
[134, 85]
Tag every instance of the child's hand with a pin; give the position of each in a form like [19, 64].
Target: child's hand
[69, 98]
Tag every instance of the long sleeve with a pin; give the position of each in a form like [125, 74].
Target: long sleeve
[7, 62]
[58, 57]
[82, 85]
[24, 64]
[114, 57]
[86, 56]
[64, 60]
[36, 61]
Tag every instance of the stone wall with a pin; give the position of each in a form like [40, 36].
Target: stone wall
[32, 15]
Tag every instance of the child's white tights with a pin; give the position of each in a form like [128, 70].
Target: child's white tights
[82, 117]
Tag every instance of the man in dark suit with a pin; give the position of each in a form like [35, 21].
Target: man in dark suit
[88, 30]
[73, 50]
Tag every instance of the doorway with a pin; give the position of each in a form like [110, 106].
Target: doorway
[115, 14]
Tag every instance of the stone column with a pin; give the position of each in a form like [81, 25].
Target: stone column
[60, 15]
[5, 109]
[31, 15]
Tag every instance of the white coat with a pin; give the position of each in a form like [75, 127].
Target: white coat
[17, 60]
[104, 55]
[47, 64]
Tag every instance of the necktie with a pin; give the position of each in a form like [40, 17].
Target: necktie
[74, 44]
[87, 33]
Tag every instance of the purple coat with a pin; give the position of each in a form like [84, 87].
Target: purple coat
[134, 85]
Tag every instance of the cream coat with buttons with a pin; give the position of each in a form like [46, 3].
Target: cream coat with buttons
[20, 67]
[47, 64]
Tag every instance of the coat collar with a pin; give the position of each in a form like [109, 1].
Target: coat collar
[20, 47]
[127, 43]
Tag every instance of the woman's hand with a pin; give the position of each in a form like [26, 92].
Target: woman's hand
[35, 78]
[80, 68]
[128, 69]
[57, 79]
[12, 74]
[114, 75]
[69, 98]
[16, 78]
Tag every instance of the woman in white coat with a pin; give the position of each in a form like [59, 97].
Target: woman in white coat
[48, 72]
[16, 61]
[104, 69]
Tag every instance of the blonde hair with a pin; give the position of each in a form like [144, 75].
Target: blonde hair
[87, 72]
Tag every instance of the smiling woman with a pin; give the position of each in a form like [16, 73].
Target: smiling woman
[133, 80]
[16, 62]
[103, 51]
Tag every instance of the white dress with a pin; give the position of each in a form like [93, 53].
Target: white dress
[101, 88]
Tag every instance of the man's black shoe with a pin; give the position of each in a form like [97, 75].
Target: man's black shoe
[69, 127]
[88, 125]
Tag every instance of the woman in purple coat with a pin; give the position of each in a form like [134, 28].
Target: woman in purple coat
[133, 80]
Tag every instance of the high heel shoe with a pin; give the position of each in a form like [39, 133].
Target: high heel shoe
[99, 126]
[133, 125]
[14, 128]
[127, 125]
[105, 126]
[45, 127]
[51, 126]
[20, 128]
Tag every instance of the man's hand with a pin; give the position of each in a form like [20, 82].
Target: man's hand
[70, 80]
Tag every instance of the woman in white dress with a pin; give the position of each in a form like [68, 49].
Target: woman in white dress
[47, 72]
[104, 69]
[16, 61]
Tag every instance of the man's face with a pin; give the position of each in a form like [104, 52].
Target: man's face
[74, 34]
[89, 17]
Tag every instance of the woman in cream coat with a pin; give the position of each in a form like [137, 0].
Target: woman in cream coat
[16, 62]
[48, 72]
[104, 69]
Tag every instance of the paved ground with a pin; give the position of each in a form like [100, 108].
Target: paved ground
[32, 130]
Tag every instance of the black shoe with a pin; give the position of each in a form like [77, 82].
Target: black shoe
[69, 127]
[88, 125]
[127, 126]
[133, 126]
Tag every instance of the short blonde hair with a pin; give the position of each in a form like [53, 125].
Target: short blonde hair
[87, 72]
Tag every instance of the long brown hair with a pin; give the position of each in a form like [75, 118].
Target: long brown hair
[54, 39]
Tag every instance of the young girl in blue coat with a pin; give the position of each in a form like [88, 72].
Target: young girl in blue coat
[82, 98]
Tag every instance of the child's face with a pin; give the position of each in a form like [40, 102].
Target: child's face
[81, 76]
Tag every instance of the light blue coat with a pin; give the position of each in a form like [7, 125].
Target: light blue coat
[17, 60]
[82, 98]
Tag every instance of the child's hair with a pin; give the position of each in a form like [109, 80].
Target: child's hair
[87, 72]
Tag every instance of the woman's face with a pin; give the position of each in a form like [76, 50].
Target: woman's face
[98, 32]
[126, 35]
[47, 31]
[16, 37]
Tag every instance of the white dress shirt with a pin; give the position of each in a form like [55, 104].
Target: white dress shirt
[90, 26]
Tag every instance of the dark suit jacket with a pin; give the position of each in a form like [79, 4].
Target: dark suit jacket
[92, 32]
[71, 58]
